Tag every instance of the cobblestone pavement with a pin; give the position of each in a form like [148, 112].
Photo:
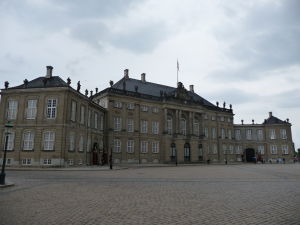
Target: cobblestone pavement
[210, 194]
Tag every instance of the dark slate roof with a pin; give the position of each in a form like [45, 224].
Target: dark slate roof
[154, 89]
[274, 120]
[43, 82]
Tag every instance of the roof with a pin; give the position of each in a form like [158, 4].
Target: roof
[43, 82]
[274, 120]
[159, 91]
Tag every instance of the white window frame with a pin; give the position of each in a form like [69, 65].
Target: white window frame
[12, 109]
[285, 149]
[31, 109]
[260, 134]
[81, 143]
[205, 131]
[117, 145]
[155, 127]
[130, 146]
[229, 132]
[224, 147]
[238, 149]
[237, 133]
[96, 120]
[155, 110]
[89, 118]
[231, 149]
[117, 123]
[82, 114]
[72, 145]
[273, 149]
[144, 126]
[283, 134]
[47, 162]
[48, 140]
[130, 106]
[155, 147]
[249, 134]
[272, 134]
[144, 108]
[10, 141]
[183, 126]
[261, 149]
[215, 149]
[26, 161]
[144, 147]
[214, 133]
[196, 127]
[28, 140]
[51, 109]
[118, 104]
[130, 125]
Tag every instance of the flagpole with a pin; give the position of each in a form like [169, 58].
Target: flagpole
[177, 72]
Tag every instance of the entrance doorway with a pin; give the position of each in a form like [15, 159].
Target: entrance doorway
[250, 155]
[187, 152]
[173, 155]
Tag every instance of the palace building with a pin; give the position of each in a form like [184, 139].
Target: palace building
[133, 121]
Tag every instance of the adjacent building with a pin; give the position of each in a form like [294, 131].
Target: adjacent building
[132, 121]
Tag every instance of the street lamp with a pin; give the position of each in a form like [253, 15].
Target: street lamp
[2, 175]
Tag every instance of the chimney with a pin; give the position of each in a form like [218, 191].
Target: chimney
[49, 71]
[143, 77]
[270, 114]
[126, 73]
[192, 88]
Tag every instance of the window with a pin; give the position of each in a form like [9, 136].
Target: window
[49, 137]
[47, 161]
[228, 119]
[196, 127]
[229, 134]
[81, 143]
[183, 126]
[117, 123]
[283, 134]
[26, 161]
[230, 149]
[96, 121]
[207, 148]
[261, 149]
[155, 147]
[238, 149]
[273, 149]
[222, 133]
[10, 141]
[222, 118]
[205, 116]
[118, 104]
[213, 133]
[117, 145]
[205, 131]
[130, 125]
[130, 146]
[144, 126]
[70, 162]
[88, 145]
[260, 135]
[155, 127]
[101, 122]
[224, 147]
[215, 149]
[130, 106]
[51, 108]
[249, 134]
[144, 108]
[72, 142]
[28, 140]
[144, 146]
[82, 111]
[272, 134]
[213, 117]
[31, 109]
[169, 125]
[73, 110]
[238, 135]
[12, 109]
[285, 150]
[89, 118]
[155, 110]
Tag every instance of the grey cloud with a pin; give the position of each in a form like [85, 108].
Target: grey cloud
[268, 38]
[288, 99]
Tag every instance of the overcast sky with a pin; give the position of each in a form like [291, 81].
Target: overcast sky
[246, 53]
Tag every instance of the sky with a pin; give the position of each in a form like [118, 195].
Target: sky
[246, 53]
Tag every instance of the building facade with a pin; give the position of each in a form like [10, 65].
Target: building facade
[154, 123]
[132, 121]
[54, 125]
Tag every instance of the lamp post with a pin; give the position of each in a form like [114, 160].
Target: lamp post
[2, 175]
